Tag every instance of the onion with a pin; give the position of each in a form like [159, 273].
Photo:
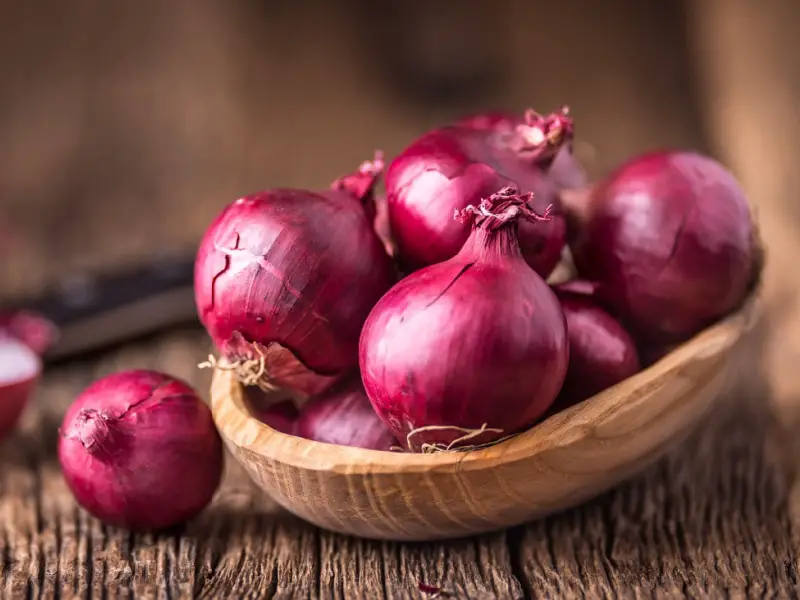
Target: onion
[670, 242]
[565, 170]
[139, 449]
[33, 329]
[601, 352]
[453, 167]
[284, 280]
[20, 368]
[343, 415]
[471, 350]
[280, 415]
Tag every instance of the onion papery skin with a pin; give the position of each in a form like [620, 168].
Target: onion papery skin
[565, 171]
[669, 240]
[450, 168]
[343, 415]
[285, 279]
[20, 369]
[478, 340]
[601, 352]
[139, 450]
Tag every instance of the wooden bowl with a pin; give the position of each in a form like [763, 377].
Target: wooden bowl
[561, 462]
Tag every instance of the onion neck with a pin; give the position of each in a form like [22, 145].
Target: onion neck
[494, 244]
[361, 184]
[495, 231]
[98, 433]
[540, 138]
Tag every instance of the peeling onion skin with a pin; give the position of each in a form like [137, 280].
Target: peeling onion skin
[601, 352]
[290, 276]
[479, 339]
[343, 415]
[450, 168]
[669, 240]
[139, 450]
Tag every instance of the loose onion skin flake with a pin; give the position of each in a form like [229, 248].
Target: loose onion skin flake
[284, 280]
[669, 240]
[453, 167]
[343, 415]
[139, 450]
[471, 350]
[601, 352]
[20, 368]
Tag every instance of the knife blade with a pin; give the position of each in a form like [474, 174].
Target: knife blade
[97, 310]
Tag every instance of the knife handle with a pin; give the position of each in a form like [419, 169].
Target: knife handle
[97, 310]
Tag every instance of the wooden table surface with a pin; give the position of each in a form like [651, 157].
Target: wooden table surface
[98, 169]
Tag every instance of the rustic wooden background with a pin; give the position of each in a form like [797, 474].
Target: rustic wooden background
[125, 126]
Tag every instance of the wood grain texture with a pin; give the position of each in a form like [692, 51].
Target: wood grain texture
[570, 457]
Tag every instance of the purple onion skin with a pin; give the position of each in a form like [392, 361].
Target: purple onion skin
[139, 450]
[478, 339]
[669, 240]
[295, 272]
[451, 168]
[344, 416]
[280, 416]
[565, 171]
[601, 352]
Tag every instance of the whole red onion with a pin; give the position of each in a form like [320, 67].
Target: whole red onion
[139, 449]
[601, 352]
[473, 349]
[565, 170]
[20, 368]
[285, 278]
[670, 242]
[343, 415]
[453, 167]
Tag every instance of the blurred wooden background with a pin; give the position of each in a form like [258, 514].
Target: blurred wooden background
[126, 125]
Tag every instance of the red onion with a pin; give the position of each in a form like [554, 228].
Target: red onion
[284, 280]
[450, 168]
[670, 242]
[601, 352]
[565, 170]
[471, 350]
[19, 371]
[139, 450]
[281, 415]
[343, 415]
[33, 329]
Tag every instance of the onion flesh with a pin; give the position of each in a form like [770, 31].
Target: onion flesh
[669, 240]
[139, 450]
[284, 280]
[453, 167]
[468, 351]
[20, 369]
[343, 415]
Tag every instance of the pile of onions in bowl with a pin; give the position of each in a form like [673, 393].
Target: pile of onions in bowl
[419, 320]
[422, 320]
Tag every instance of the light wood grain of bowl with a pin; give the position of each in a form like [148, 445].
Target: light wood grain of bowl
[561, 462]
